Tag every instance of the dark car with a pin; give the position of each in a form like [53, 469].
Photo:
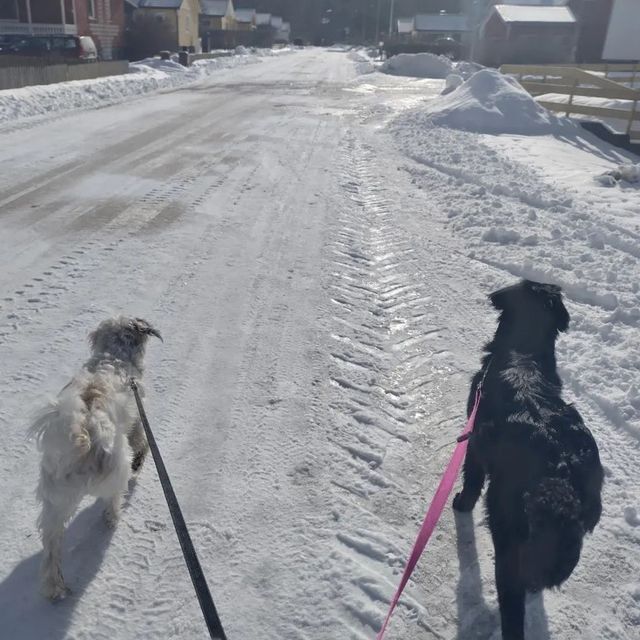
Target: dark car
[298, 42]
[53, 46]
[447, 46]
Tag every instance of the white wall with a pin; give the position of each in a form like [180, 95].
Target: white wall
[623, 37]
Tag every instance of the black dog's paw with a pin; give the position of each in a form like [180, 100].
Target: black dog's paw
[462, 503]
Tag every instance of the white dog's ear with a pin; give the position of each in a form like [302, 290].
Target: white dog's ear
[143, 327]
[93, 339]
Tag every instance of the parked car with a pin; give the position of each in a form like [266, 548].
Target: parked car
[448, 47]
[299, 43]
[54, 46]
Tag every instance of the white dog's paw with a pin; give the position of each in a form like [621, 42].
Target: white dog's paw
[111, 514]
[111, 517]
[55, 590]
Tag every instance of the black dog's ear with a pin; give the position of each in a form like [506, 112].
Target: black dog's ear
[552, 295]
[500, 299]
[561, 315]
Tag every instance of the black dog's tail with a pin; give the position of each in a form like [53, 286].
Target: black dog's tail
[553, 547]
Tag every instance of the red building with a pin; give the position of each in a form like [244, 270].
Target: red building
[103, 20]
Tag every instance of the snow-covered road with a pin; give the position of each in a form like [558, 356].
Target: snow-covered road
[322, 304]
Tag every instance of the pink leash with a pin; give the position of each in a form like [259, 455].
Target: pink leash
[437, 506]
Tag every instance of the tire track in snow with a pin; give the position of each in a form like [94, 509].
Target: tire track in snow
[378, 368]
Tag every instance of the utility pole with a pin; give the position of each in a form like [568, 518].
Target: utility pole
[391, 10]
[29, 17]
[378, 11]
[364, 21]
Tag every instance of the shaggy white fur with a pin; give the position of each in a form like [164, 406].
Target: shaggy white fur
[91, 438]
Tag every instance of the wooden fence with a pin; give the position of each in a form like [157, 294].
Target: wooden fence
[26, 72]
[588, 81]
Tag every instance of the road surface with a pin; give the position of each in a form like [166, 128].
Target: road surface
[319, 326]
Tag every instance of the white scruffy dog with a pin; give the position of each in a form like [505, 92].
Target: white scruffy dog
[91, 438]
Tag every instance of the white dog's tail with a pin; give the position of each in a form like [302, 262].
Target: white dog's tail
[48, 424]
[42, 422]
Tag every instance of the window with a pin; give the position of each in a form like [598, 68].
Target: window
[91, 8]
[8, 10]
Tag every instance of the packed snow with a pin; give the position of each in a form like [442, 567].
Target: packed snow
[317, 251]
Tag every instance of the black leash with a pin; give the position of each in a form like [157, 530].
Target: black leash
[188, 551]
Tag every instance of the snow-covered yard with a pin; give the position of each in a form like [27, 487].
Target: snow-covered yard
[317, 252]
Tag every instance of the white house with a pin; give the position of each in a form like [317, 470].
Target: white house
[623, 35]
[405, 26]
[263, 19]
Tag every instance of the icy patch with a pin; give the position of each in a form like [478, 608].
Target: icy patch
[490, 102]
[418, 65]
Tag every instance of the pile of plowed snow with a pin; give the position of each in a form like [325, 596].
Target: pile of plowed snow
[418, 65]
[490, 102]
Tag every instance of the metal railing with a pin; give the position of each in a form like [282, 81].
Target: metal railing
[37, 29]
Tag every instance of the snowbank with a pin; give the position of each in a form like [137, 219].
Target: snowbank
[428, 65]
[362, 62]
[452, 82]
[467, 69]
[489, 102]
[144, 76]
[418, 65]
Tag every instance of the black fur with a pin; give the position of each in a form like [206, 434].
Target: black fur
[542, 462]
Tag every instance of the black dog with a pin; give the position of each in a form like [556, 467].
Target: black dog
[544, 470]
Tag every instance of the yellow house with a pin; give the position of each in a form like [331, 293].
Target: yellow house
[216, 15]
[173, 24]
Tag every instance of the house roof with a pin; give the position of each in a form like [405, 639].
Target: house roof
[405, 25]
[537, 14]
[263, 18]
[245, 15]
[557, 3]
[159, 4]
[215, 8]
[441, 22]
